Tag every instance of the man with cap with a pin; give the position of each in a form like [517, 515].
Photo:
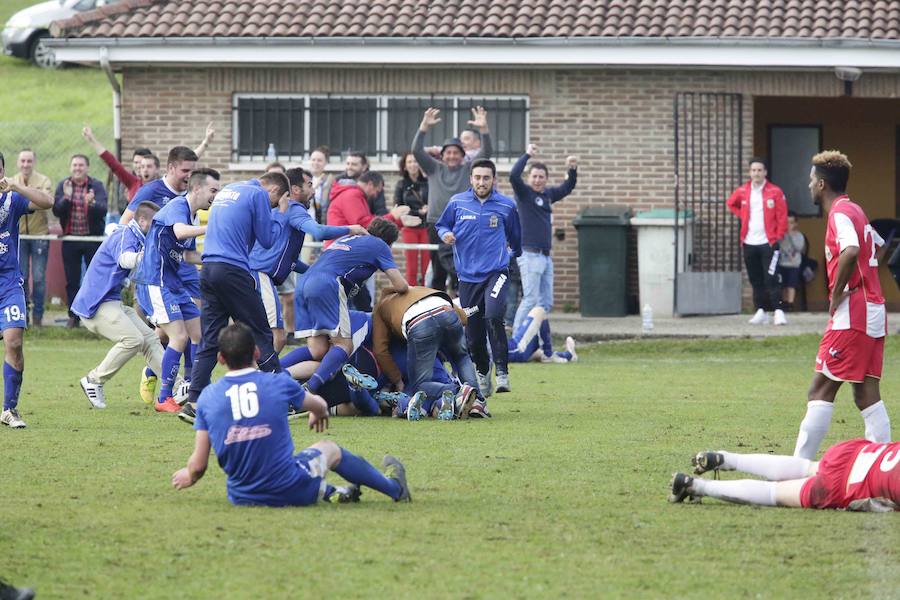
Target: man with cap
[447, 176]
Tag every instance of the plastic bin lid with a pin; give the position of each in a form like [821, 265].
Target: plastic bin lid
[664, 213]
[603, 215]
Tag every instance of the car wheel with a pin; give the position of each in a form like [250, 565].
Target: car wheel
[41, 54]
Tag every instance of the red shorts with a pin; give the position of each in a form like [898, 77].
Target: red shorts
[850, 355]
[828, 487]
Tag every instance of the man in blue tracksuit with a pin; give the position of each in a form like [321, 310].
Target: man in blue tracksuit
[483, 226]
[240, 216]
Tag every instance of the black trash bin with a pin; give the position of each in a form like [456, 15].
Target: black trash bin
[602, 260]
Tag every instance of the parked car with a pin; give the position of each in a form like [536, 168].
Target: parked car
[24, 34]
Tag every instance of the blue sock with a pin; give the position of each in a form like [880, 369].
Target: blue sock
[170, 362]
[297, 355]
[357, 470]
[364, 402]
[546, 339]
[403, 404]
[12, 383]
[331, 364]
[148, 372]
[189, 353]
[329, 490]
[566, 355]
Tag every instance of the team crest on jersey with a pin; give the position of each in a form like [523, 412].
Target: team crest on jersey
[539, 201]
[828, 255]
[494, 221]
[770, 203]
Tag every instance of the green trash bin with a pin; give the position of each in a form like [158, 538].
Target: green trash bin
[602, 260]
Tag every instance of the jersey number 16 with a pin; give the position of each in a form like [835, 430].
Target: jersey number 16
[244, 401]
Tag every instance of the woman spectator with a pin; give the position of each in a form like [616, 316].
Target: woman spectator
[412, 191]
[322, 182]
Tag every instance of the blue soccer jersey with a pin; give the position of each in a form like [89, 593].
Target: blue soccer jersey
[278, 261]
[353, 258]
[245, 413]
[164, 252]
[159, 193]
[104, 277]
[12, 296]
[240, 216]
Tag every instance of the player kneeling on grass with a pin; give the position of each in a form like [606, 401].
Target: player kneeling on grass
[856, 475]
[244, 417]
[99, 304]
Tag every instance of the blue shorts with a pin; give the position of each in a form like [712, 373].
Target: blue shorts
[163, 305]
[268, 292]
[321, 307]
[190, 279]
[12, 307]
[307, 490]
[192, 287]
[790, 277]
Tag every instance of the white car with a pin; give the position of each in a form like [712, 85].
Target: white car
[25, 31]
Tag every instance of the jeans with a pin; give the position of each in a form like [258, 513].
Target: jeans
[37, 252]
[537, 284]
[73, 253]
[442, 332]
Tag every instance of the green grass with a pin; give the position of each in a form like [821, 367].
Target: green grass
[46, 109]
[562, 494]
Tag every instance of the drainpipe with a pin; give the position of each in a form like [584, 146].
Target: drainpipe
[117, 99]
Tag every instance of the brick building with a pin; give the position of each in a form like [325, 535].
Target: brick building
[625, 84]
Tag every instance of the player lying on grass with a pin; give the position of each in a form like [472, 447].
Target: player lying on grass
[855, 475]
[532, 341]
[243, 416]
[99, 304]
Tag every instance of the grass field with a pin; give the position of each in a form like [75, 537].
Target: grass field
[562, 494]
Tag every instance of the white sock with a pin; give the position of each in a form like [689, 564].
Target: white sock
[813, 428]
[771, 466]
[742, 491]
[878, 425]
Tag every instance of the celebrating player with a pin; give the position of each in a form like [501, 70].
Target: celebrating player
[532, 341]
[161, 290]
[99, 304]
[856, 475]
[15, 201]
[244, 417]
[852, 348]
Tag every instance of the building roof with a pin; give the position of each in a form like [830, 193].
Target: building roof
[510, 20]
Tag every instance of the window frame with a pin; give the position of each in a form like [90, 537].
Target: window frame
[772, 169]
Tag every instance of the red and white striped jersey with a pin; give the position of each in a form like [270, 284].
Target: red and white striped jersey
[863, 310]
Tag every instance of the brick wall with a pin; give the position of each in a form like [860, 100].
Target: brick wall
[619, 122]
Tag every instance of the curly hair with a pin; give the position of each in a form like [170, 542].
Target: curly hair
[833, 168]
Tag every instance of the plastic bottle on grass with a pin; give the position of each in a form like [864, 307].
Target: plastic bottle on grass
[647, 319]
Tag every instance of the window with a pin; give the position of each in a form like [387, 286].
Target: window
[790, 149]
[380, 126]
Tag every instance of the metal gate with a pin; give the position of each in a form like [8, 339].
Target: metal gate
[708, 167]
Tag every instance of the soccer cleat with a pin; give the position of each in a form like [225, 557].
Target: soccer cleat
[345, 495]
[11, 592]
[570, 348]
[94, 393]
[479, 410]
[760, 318]
[502, 382]
[446, 411]
[394, 469]
[169, 406]
[180, 392]
[779, 319]
[293, 413]
[357, 380]
[188, 413]
[10, 417]
[707, 461]
[148, 387]
[552, 359]
[681, 488]
[389, 399]
[414, 410]
[485, 385]
[464, 401]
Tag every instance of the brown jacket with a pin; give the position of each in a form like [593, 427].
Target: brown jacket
[35, 223]
[387, 323]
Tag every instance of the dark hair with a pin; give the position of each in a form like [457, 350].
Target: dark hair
[384, 229]
[146, 209]
[275, 165]
[180, 154]
[833, 168]
[87, 161]
[373, 177]
[324, 150]
[198, 176]
[760, 160]
[2, 161]
[404, 173]
[295, 176]
[792, 214]
[360, 155]
[278, 179]
[236, 345]
[152, 157]
[539, 166]
[484, 163]
[143, 152]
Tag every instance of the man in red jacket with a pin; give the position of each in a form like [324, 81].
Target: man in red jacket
[762, 209]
